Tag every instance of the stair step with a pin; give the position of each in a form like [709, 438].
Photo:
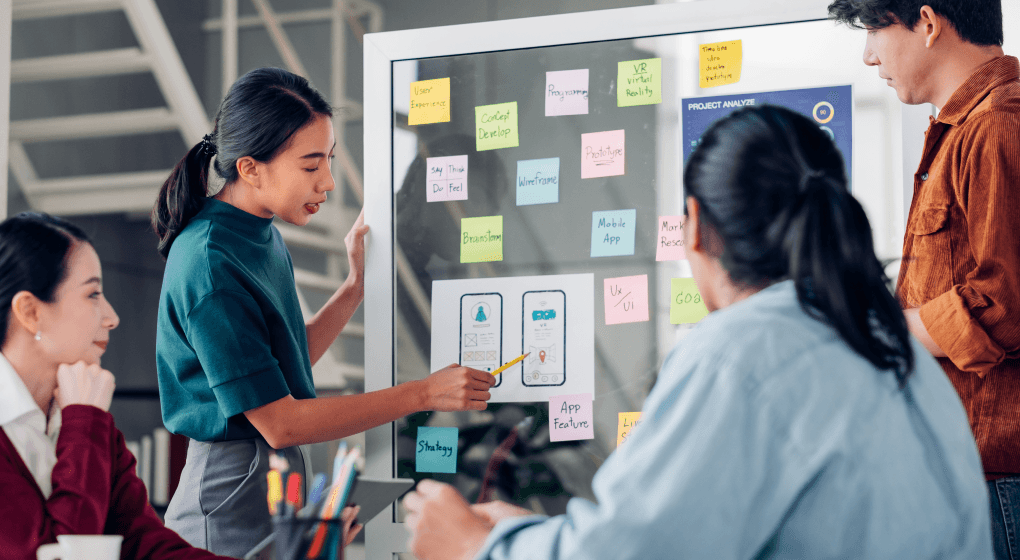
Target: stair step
[35, 9]
[299, 237]
[96, 125]
[79, 65]
[314, 280]
[89, 183]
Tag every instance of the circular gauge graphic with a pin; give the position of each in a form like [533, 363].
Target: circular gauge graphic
[832, 135]
[823, 112]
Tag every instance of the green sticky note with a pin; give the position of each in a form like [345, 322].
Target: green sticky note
[496, 126]
[481, 239]
[639, 82]
[686, 305]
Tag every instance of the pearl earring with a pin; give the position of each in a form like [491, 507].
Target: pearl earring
[38, 335]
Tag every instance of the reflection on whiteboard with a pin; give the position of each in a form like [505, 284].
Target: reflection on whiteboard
[483, 322]
[830, 107]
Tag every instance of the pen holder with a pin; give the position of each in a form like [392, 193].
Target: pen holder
[292, 537]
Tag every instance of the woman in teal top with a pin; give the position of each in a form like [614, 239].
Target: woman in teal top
[234, 354]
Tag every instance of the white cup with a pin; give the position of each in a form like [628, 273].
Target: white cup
[81, 547]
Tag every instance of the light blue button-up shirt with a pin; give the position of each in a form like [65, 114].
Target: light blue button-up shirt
[766, 436]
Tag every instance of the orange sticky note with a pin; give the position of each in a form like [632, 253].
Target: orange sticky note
[627, 422]
[430, 102]
[720, 63]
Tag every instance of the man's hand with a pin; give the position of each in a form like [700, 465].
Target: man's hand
[442, 525]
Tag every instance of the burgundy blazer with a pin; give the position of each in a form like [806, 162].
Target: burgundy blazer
[95, 491]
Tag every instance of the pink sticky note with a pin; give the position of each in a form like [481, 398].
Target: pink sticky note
[626, 299]
[602, 154]
[566, 92]
[669, 242]
[570, 417]
[446, 178]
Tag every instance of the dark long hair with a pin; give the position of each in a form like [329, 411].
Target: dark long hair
[976, 21]
[259, 114]
[33, 258]
[772, 186]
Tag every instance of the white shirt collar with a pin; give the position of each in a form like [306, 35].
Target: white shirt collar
[15, 400]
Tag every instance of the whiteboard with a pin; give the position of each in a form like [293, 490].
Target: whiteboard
[415, 244]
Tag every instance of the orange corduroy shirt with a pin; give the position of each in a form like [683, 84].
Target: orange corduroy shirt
[961, 254]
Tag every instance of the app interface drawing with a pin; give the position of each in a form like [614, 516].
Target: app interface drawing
[544, 321]
[481, 332]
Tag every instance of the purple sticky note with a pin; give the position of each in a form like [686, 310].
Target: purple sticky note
[626, 299]
[446, 178]
[669, 242]
[570, 417]
[566, 92]
[602, 154]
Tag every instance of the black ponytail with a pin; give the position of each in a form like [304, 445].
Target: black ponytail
[772, 185]
[180, 194]
[256, 118]
[33, 258]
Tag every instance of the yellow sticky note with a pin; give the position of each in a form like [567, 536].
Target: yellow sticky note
[430, 101]
[627, 422]
[720, 63]
[639, 82]
[686, 305]
[496, 126]
[481, 239]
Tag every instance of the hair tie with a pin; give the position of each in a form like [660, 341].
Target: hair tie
[207, 146]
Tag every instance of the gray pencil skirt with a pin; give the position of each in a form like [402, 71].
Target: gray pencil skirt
[220, 504]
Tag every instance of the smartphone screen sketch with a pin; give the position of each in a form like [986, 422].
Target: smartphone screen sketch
[545, 337]
[481, 332]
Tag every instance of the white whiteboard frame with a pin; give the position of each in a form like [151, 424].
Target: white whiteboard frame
[383, 537]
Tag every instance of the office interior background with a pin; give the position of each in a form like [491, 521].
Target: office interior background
[106, 95]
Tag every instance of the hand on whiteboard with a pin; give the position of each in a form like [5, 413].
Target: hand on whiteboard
[441, 524]
[80, 383]
[494, 512]
[355, 242]
[457, 387]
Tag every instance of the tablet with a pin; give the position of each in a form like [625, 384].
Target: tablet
[374, 494]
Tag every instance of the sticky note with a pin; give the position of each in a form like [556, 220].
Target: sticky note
[566, 92]
[685, 304]
[436, 450]
[446, 178]
[639, 82]
[496, 126]
[669, 242]
[612, 233]
[570, 417]
[719, 63]
[602, 154]
[481, 239]
[628, 420]
[626, 299]
[430, 102]
[538, 181]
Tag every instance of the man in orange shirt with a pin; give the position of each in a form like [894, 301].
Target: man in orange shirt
[959, 281]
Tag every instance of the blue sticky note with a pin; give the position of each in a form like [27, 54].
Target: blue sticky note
[612, 233]
[538, 181]
[436, 450]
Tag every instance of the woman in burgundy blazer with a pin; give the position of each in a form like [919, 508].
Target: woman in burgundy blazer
[64, 468]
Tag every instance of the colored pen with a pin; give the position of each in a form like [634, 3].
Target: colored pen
[294, 492]
[318, 486]
[507, 365]
[275, 495]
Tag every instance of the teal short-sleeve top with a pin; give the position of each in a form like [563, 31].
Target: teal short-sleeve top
[230, 335]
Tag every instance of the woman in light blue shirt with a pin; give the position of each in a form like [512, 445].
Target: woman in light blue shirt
[797, 420]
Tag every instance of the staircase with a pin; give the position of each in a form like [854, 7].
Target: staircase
[320, 259]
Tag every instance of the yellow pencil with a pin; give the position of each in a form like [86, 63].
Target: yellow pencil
[503, 367]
